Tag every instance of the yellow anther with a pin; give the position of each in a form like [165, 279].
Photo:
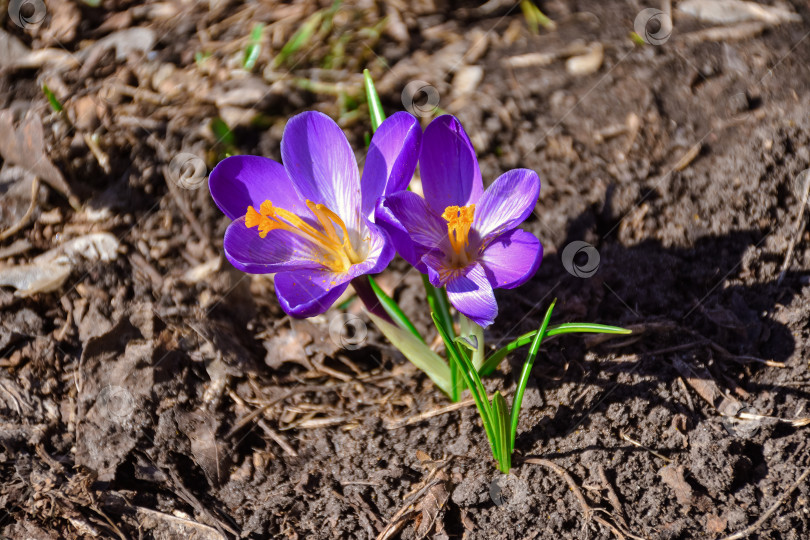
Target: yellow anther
[266, 209]
[333, 240]
[459, 220]
[252, 218]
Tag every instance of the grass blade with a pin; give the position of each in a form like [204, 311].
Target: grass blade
[536, 18]
[254, 47]
[375, 109]
[572, 328]
[52, 99]
[495, 358]
[473, 381]
[417, 352]
[500, 413]
[440, 307]
[299, 38]
[393, 310]
[524, 376]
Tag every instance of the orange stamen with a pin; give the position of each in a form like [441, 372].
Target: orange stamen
[336, 252]
[459, 220]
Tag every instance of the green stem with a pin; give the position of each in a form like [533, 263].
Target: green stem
[390, 307]
[440, 306]
[474, 382]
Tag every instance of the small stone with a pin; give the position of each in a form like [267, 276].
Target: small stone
[467, 80]
[587, 63]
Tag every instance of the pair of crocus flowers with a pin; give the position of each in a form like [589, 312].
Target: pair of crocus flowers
[318, 224]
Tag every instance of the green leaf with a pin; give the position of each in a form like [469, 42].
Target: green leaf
[473, 330]
[299, 39]
[375, 109]
[474, 383]
[222, 132]
[524, 375]
[52, 99]
[456, 376]
[500, 413]
[393, 310]
[637, 39]
[440, 305]
[469, 341]
[495, 358]
[415, 350]
[536, 18]
[254, 47]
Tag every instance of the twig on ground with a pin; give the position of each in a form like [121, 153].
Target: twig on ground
[627, 438]
[725, 404]
[270, 432]
[586, 508]
[14, 229]
[191, 499]
[396, 423]
[670, 326]
[433, 490]
[612, 497]
[768, 513]
[797, 230]
[195, 224]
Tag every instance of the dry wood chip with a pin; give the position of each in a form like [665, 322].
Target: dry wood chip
[25, 146]
[735, 11]
[162, 525]
[424, 510]
[672, 475]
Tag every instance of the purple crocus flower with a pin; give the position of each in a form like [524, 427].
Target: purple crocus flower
[461, 236]
[311, 220]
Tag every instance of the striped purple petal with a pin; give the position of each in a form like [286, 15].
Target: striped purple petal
[511, 259]
[472, 295]
[448, 166]
[310, 291]
[306, 293]
[322, 166]
[279, 251]
[241, 181]
[506, 203]
[391, 159]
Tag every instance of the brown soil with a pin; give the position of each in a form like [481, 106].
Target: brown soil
[141, 401]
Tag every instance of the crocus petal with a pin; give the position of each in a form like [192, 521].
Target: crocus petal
[309, 292]
[306, 293]
[472, 295]
[279, 251]
[380, 252]
[506, 203]
[391, 159]
[437, 269]
[422, 230]
[400, 238]
[448, 166]
[511, 259]
[322, 166]
[241, 181]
